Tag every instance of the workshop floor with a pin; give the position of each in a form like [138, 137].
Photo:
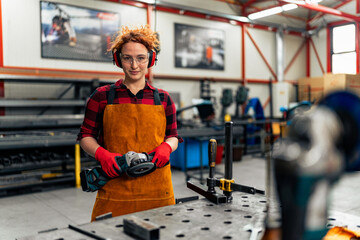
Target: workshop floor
[28, 214]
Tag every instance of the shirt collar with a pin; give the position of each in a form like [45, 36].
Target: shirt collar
[120, 84]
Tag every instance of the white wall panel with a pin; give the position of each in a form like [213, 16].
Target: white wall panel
[166, 64]
[255, 65]
[298, 68]
[21, 33]
[320, 45]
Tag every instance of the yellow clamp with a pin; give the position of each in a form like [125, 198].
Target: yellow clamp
[225, 184]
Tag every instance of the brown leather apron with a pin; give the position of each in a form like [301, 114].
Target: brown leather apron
[138, 128]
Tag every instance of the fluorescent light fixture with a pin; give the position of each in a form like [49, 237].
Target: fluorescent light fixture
[303, 1]
[147, 1]
[288, 7]
[265, 13]
[241, 19]
[271, 11]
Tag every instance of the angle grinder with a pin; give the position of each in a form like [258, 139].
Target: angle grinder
[139, 164]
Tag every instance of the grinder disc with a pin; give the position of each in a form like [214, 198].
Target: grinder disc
[141, 169]
[347, 107]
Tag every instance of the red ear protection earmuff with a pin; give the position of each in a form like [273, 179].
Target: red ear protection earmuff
[152, 59]
[117, 60]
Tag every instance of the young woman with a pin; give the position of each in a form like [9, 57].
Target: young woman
[131, 115]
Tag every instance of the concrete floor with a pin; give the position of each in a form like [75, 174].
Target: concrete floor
[28, 214]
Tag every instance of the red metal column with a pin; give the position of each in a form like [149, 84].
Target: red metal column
[149, 9]
[1, 40]
[308, 59]
[2, 85]
[357, 46]
[328, 52]
[243, 55]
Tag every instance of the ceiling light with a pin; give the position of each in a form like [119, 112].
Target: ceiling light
[265, 13]
[303, 1]
[271, 11]
[241, 19]
[288, 7]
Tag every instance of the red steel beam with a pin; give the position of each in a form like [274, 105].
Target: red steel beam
[294, 58]
[327, 10]
[335, 7]
[317, 56]
[262, 55]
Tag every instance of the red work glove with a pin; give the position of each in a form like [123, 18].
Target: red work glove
[162, 154]
[108, 162]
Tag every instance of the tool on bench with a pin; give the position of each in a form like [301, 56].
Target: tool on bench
[254, 231]
[87, 233]
[140, 229]
[226, 184]
[139, 165]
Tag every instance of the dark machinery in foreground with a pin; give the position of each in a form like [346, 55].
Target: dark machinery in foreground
[322, 145]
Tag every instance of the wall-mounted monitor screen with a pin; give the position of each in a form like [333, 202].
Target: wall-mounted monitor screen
[199, 47]
[76, 33]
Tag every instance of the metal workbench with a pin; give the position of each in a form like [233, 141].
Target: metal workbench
[196, 220]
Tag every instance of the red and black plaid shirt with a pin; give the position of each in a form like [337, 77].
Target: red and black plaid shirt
[92, 124]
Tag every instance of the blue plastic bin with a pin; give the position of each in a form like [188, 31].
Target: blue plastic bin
[177, 158]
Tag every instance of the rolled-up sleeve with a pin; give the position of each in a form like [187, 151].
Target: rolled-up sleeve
[92, 123]
[171, 122]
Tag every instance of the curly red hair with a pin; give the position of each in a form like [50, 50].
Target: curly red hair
[141, 34]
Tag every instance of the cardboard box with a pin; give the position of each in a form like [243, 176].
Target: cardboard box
[313, 86]
[349, 82]
[320, 86]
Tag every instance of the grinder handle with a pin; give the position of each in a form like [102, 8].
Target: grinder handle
[212, 147]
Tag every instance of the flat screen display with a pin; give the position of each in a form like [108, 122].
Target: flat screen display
[199, 47]
[77, 33]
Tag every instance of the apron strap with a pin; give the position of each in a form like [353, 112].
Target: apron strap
[157, 97]
[111, 95]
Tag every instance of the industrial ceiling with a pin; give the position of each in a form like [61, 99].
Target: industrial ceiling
[304, 15]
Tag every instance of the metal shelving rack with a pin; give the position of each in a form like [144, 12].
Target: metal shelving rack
[38, 151]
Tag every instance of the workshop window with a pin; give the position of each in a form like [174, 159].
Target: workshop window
[343, 52]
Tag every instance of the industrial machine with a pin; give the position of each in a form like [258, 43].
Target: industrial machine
[240, 98]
